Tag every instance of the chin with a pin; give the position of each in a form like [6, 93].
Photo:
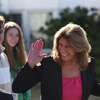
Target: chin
[12, 46]
[65, 59]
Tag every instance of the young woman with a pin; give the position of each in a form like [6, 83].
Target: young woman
[15, 51]
[68, 74]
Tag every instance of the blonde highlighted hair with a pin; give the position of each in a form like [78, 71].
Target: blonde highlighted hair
[2, 21]
[77, 37]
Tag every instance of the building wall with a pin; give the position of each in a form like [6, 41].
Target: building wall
[33, 4]
[36, 12]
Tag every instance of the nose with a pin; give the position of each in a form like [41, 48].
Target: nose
[63, 50]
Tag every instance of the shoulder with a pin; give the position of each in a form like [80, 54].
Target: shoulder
[4, 56]
[91, 64]
[47, 59]
[4, 60]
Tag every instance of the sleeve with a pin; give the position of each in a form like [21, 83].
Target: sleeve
[5, 95]
[96, 85]
[26, 78]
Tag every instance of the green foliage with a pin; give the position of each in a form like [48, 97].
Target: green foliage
[89, 19]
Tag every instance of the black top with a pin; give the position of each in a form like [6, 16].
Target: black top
[5, 96]
[49, 74]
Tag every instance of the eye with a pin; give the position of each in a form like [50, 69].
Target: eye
[60, 45]
[10, 34]
[67, 46]
[17, 35]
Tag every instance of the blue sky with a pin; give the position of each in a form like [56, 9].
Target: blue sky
[86, 3]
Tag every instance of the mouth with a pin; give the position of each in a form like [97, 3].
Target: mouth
[13, 43]
[64, 55]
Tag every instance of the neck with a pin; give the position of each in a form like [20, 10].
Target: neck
[70, 64]
[70, 69]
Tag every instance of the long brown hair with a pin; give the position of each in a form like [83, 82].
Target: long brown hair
[20, 48]
[76, 35]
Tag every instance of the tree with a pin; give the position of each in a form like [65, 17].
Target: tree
[89, 19]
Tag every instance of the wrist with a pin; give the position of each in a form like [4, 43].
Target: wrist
[31, 65]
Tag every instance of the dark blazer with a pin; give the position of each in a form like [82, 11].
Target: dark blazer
[5, 96]
[50, 76]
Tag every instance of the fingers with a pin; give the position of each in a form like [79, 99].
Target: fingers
[39, 44]
[37, 48]
[36, 53]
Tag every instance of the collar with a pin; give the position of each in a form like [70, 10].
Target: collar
[1, 49]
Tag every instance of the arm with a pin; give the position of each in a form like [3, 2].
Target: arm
[5, 96]
[26, 78]
[96, 85]
[96, 89]
[30, 74]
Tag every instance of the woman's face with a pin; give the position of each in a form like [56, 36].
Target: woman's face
[12, 37]
[67, 53]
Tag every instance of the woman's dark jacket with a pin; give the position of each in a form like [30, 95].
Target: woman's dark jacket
[50, 76]
[5, 96]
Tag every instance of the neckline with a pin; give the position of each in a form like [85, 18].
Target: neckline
[74, 77]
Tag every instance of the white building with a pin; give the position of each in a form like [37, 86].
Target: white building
[34, 13]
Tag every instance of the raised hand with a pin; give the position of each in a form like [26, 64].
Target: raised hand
[36, 53]
[39, 44]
